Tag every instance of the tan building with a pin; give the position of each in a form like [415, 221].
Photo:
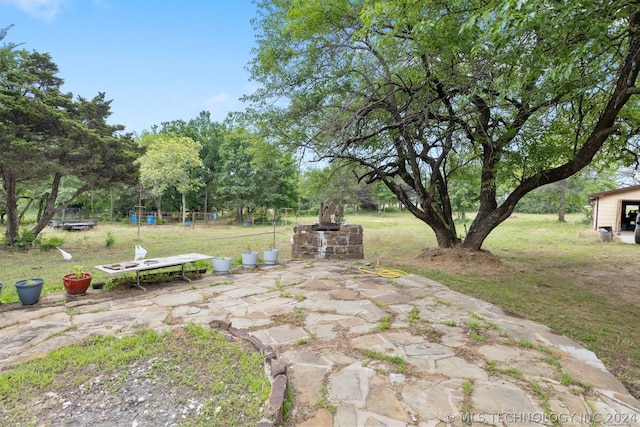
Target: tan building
[616, 210]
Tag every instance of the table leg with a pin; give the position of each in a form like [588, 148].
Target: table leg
[137, 284]
[183, 276]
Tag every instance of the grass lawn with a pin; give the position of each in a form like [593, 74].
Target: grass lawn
[558, 274]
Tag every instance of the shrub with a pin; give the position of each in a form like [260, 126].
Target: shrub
[111, 239]
[26, 239]
[47, 243]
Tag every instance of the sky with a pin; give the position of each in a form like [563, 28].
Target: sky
[158, 60]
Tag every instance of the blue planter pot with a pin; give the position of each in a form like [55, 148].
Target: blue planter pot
[29, 290]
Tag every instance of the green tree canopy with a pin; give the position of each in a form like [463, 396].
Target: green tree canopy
[330, 184]
[46, 135]
[209, 135]
[254, 173]
[170, 161]
[507, 95]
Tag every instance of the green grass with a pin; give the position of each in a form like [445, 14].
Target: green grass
[196, 362]
[400, 363]
[558, 274]
[384, 322]
[111, 243]
[414, 316]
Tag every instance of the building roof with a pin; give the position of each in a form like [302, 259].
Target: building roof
[610, 192]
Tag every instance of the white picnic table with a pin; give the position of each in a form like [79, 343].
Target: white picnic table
[152, 264]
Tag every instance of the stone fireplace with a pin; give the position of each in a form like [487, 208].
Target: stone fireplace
[328, 239]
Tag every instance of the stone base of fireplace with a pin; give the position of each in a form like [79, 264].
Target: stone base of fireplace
[318, 241]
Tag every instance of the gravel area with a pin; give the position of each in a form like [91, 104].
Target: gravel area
[138, 396]
[181, 386]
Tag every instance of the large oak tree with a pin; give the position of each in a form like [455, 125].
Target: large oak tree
[507, 95]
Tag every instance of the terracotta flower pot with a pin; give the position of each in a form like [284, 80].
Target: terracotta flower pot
[75, 285]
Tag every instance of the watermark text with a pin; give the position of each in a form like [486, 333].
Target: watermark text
[542, 418]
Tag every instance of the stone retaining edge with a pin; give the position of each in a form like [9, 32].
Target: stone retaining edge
[275, 369]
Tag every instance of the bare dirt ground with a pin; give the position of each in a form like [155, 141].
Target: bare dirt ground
[621, 283]
[459, 259]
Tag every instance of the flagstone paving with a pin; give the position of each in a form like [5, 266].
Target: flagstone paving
[357, 349]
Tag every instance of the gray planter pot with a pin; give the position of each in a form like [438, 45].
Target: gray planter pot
[249, 259]
[29, 290]
[270, 256]
[221, 264]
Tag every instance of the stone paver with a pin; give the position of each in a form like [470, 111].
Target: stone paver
[456, 363]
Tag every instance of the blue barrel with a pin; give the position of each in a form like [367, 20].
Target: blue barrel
[133, 218]
[150, 219]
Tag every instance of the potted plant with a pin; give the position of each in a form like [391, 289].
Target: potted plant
[221, 264]
[249, 258]
[270, 256]
[78, 282]
[29, 290]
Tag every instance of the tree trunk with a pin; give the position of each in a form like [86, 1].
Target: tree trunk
[50, 208]
[485, 222]
[184, 208]
[563, 200]
[11, 233]
[436, 215]
[444, 237]
[441, 222]
[159, 207]
[41, 206]
[206, 202]
[25, 209]
[478, 232]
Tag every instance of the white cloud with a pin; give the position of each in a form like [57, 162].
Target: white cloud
[42, 9]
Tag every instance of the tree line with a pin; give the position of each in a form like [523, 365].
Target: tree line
[469, 106]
